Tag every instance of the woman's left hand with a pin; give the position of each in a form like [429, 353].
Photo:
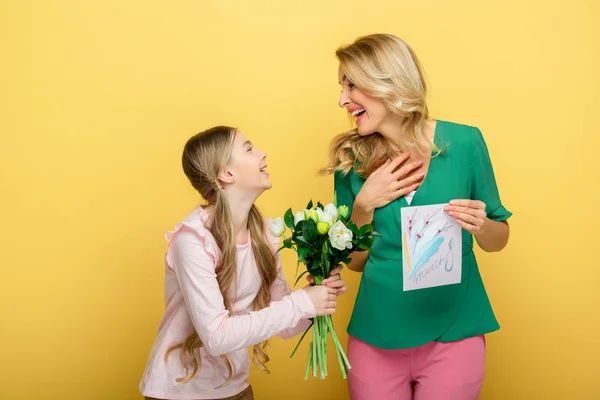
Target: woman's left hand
[470, 215]
[334, 281]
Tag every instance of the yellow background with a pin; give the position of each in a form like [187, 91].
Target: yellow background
[98, 98]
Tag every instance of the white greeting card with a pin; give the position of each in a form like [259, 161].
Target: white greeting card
[431, 247]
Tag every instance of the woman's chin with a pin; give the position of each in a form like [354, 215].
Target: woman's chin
[364, 131]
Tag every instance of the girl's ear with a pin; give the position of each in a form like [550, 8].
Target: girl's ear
[226, 176]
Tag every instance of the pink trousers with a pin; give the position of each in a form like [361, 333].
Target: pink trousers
[434, 371]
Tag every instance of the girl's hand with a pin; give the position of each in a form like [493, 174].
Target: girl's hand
[334, 281]
[323, 299]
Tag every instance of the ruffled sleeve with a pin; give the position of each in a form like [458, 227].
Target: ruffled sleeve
[198, 227]
[484, 186]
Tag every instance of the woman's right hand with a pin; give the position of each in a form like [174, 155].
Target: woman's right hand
[323, 298]
[389, 182]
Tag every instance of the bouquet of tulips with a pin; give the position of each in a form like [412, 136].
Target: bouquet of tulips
[323, 238]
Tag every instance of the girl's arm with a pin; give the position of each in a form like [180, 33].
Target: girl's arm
[279, 290]
[220, 332]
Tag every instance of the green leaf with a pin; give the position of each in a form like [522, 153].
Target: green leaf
[287, 243]
[288, 218]
[347, 261]
[335, 199]
[321, 206]
[309, 230]
[301, 338]
[300, 277]
[365, 229]
[352, 226]
[315, 268]
[302, 252]
[367, 241]
[300, 239]
[309, 205]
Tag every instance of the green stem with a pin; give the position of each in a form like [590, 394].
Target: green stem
[321, 349]
[314, 353]
[325, 344]
[337, 349]
[340, 361]
[317, 339]
[323, 337]
[338, 345]
[309, 362]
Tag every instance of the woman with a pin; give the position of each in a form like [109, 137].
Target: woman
[425, 344]
[224, 286]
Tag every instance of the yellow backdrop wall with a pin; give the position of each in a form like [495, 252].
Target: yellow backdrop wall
[97, 99]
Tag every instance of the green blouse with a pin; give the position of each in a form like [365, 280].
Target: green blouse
[384, 315]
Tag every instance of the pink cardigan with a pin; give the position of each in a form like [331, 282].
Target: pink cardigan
[193, 301]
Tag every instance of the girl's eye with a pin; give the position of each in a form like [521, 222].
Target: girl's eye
[351, 85]
[250, 148]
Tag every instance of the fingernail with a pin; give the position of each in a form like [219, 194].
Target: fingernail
[420, 162]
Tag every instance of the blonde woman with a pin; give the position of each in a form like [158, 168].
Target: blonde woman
[224, 286]
[425, 344]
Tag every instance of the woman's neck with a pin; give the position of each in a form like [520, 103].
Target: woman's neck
[394, 131]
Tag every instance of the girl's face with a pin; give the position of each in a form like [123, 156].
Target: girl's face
[247, 166]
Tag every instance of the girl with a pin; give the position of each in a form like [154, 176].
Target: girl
[224, 288]
[424, 344]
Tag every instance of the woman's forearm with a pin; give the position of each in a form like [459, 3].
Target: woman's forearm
[362, 214]
[494, 236]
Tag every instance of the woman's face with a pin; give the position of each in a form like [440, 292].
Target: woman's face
[368, 112]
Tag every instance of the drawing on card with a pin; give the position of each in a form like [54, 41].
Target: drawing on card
[431, 247]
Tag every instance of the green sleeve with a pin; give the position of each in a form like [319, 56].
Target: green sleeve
[484, 182]
[343, 190]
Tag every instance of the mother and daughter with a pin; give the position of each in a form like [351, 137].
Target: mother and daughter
[225, 289]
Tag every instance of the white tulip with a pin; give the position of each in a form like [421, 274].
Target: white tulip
[332, 210]
[343, 211]
[319, 213]
[299, 216]
[277, 227]
[326, 217]
[312, 214]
